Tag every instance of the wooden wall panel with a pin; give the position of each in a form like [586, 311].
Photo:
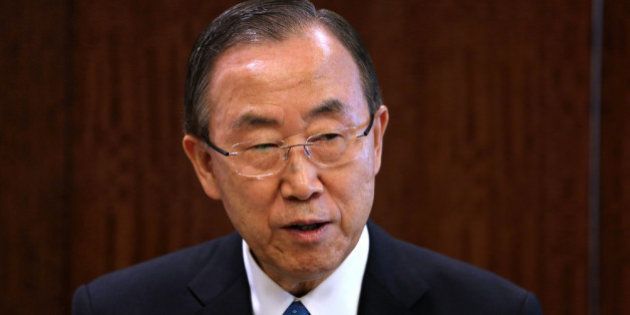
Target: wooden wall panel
[615, 180]
[34, 105]
[486, 156]
[135, 194]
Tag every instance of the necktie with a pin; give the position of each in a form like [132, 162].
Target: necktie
[296, 308]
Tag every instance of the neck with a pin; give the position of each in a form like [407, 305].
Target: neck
[298, 287]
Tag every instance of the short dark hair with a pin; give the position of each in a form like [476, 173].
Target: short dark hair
[265, 20]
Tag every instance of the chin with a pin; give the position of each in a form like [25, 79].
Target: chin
[314, 269]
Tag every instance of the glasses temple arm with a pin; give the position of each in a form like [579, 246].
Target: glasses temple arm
[369, 127]
[212, 146]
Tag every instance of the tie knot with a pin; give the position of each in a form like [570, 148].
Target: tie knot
[296, 308]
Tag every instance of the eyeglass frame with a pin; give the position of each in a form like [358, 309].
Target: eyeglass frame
[226, 153]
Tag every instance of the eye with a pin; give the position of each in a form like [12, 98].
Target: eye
[326, 137]
[263, 147]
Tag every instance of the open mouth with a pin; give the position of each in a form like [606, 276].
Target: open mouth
[306, 227]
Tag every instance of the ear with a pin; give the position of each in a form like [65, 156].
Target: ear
[201, 161]
[381, 118]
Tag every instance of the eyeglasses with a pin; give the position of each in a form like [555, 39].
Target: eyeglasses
[328, 149]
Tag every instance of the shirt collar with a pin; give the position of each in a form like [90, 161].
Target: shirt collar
[337, 294]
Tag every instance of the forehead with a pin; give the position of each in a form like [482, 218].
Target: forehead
[285, 80]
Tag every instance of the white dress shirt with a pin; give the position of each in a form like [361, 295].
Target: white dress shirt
[337, 294]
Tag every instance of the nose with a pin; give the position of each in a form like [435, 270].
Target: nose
[300, 178]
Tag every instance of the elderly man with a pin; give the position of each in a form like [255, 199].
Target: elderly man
[284, 125]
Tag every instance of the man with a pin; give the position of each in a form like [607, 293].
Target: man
[284, 125]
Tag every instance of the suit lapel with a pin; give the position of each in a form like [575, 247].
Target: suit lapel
[222, 287]
[390, 286]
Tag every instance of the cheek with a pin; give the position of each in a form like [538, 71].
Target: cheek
[362, 196]
[238, 190]
[246, 202]
[352, 189]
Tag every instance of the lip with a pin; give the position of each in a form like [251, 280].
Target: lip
[296, 231]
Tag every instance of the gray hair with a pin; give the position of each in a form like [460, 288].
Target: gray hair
[259, 20]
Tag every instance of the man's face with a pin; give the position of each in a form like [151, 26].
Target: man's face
[276, 90]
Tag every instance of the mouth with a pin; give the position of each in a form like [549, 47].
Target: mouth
[308, 232]
[306, 227]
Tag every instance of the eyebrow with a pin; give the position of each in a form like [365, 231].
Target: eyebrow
[254, 120]
[327, 107]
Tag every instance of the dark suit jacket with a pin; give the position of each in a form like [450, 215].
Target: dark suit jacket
[210, 278]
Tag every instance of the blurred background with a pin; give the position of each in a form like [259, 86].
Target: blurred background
[508, 145]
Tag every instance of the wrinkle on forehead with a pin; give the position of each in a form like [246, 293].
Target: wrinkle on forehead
[256, 116]
[312, 64]
[274, 116]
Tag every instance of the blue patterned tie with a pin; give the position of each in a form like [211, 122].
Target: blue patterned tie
[296, 308]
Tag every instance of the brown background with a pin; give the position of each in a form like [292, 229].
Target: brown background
[492, 155]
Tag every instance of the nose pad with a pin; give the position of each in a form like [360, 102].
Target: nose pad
[307, 150]
[306, 147]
